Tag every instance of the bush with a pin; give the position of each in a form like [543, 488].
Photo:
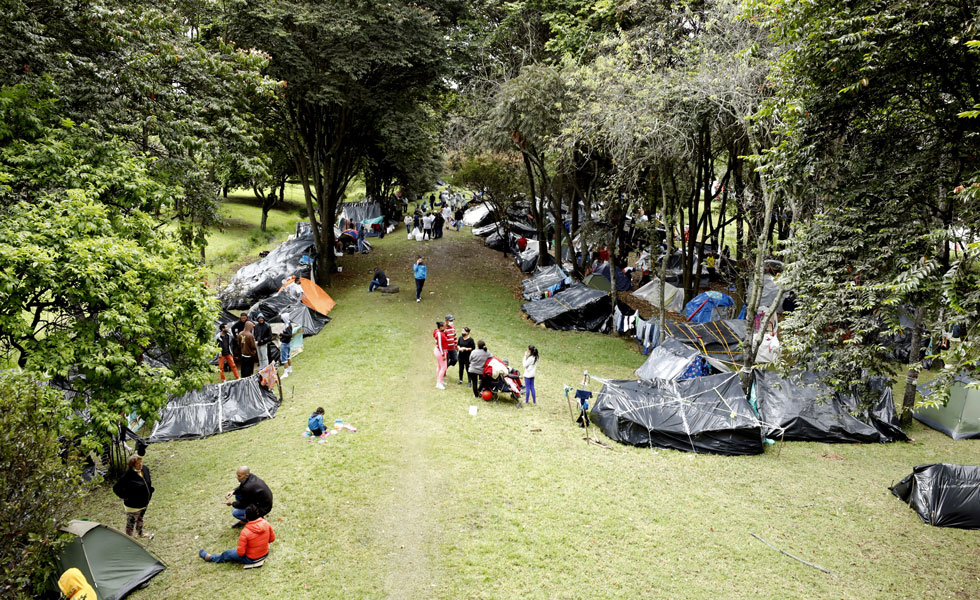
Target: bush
[40, 485]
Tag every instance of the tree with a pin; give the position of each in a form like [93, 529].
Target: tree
[871, 94]
[39, 486]
[497, 176]
[88, 283]
[347, 70]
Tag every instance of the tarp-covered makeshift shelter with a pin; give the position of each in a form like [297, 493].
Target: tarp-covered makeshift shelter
[960, 418]
[501, 242]
[360, 211]
[478, 216]
[488, 229]
[674, 360]
[720, 341]
[215, 409]
[527, 259]
[264, 278]
[943, 495]
[704, 414]
[801, 408]
[315, 297]
[545, 282]
[578, 307]
[673, 297]
[709, 306]
[769, 292]
[113, 563]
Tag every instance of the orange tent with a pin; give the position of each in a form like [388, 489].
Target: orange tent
[315, 297]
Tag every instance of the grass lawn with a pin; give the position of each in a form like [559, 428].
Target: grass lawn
[426, 501]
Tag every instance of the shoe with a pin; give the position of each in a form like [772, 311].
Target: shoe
[146, 536]
[460, 382]
[418, 299]
[238, 525]
[204, 555]
[284, 375]
[439, 386]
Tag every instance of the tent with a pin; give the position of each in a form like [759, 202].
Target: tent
[215, 409]
[545, 281]
[578, 307]
[478, 216]
[709, 306]
[943, 495]
[113, 563]
[598, 282]
[801, 408]
[522, 229]
[623, 281]
[263, 278]
[960, 417]
[488, 229]
[719, 341]
[527, 259]
[315, 297]
[705, 414]
[673, 297]
[359, 212]
[769, 292]
[501, 242]
[673, 360]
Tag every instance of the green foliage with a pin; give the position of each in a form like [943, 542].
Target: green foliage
[499, 176]
[88, 283]
[40, 485]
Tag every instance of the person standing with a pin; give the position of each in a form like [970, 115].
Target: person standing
[225, 353]
[530, 369]
[236, 330]
[466, 345]
[427, 222]
[447, 215]
[440, 353]
[478, 358]
[135, 489]
[246, 345]
[250, 490]
[253, 542]
[459, 218]
[263, 335]
[420, 275]
[437, 224]
[451, 347]
[285, 338]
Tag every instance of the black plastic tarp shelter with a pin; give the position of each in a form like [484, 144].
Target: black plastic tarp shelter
[543, 280]
[487, 230]
[215, 409]
[501, 242]
[943, 495]
[800, 408]
[705, 414]
[720, 341]
[264, 278]
[360, 211]
[113, 563]
[578, 307]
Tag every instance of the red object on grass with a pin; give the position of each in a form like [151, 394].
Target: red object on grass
[487, 395]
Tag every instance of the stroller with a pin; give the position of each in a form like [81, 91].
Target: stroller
[501, 379]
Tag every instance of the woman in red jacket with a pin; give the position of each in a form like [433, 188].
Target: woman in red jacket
[253, 542]
[441, 352]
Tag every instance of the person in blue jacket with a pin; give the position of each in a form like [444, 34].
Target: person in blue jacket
[315, 422]
[420, 274]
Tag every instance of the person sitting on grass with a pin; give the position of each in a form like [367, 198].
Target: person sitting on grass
[253, 542]
[315, 423]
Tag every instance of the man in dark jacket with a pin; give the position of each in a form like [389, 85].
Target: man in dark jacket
[380, 280]
[250, 490]
[236, 329]
[225, 353]
[263, 335]
[135, 489]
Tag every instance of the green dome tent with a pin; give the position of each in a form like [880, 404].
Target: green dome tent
[960, 417]
[113, 563]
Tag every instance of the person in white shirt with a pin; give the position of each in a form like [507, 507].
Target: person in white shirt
[530, 370]
[427, 221]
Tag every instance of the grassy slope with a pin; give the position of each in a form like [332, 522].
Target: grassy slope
[425, 501]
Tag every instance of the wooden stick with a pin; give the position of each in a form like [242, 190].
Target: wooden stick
[810, 564]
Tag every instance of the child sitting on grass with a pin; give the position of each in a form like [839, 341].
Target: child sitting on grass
[315, 423]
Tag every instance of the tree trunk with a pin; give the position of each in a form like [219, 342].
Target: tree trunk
[668, 224]
[912, 375]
